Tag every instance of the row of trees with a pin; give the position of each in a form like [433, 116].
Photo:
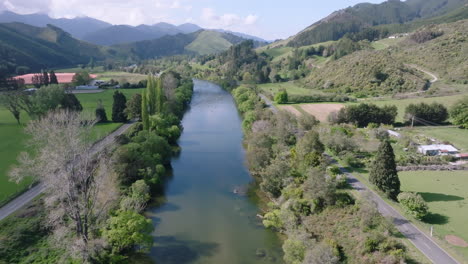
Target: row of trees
[44, 79]
[364, 114]
[95, 197]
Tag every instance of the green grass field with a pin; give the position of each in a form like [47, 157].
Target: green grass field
[121, 76]
[13, 138]
[446, 195]
[290, 87]
[456, 136]
[401, 104]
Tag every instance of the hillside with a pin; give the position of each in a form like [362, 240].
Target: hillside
[39, 48]
[197, 43]
[77, 27]
[442, 49]
[361, 16]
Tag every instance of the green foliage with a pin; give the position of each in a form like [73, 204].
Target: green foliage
[128, 229]
[166, 126]
[144, 111]
[294, 251]
[70, 102]
[281, 97]
[383, 173]
[139, 159]
[101, 115]
[45, 99]
[138, 196]
[364, 114]
[425, 114]
[81, 78]
[459, 113]
[414, 204]
[118, 108]
[133, 108]
[273, 220]
[274, 175]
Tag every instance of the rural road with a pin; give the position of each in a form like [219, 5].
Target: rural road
[419, 239]
[424, 243]
[434, 77]
[32, 193]
[269, 103]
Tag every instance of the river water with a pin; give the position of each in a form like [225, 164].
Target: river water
[203, 221]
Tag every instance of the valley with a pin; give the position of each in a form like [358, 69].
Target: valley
[191, 142]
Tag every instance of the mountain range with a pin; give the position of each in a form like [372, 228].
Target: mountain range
[102, 33]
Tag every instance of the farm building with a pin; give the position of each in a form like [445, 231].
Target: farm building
[435, 150]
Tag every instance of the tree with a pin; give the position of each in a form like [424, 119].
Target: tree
[459, 113]
[144, 111]
[159, 96]
[45, 78]
[81, 78]
[45, 99]
[53, 78]
[426, 114]
[133, 108]
[70, 102]
[101, 115]
[294, 251]
[75, 175]
[414, 204]
[118, 108]
[321, 253]
[128, 229]
[383, 172]
[137, 198]
[281, 97]
[363, 114]
[36, 80]
[11, 100]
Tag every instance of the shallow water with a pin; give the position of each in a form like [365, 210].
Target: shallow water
[203, 221]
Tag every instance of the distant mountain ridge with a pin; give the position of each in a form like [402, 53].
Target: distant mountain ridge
[103, 33]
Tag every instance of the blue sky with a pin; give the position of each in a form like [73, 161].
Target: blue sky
[269, 19]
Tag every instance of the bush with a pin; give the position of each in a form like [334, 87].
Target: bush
[425, 114]
[459, 113]
[281, 97]
[414, 204]
[294, 251]
[364, 114]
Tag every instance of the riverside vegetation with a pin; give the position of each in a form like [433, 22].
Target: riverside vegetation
[90, 224]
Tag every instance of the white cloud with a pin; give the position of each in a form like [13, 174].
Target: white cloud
[251, 19]
[210, 19]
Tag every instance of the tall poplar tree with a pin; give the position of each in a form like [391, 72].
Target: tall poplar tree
[53, 78]
[151, 94]
[383, 173]
[144, 110]
[159, 96]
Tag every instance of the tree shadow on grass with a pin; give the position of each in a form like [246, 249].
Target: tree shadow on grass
[170, 250]
[439, 197]
[436, 219]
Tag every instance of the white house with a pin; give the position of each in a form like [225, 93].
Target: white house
[435, 150]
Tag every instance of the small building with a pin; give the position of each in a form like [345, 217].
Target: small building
[87, 87]
[462, 156]
[436, 150]
[394, 133]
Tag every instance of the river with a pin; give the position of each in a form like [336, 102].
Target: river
[203, 221]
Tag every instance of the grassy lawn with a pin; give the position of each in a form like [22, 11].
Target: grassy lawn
[401, 104]
[456, 136]
[445, 193]
[13, 138]
[12, 143]
[290, 87]
[121, 76]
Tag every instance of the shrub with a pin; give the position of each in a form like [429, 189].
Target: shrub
[459, 113]
[281, 97]
[424, 114]
[414, 204]
[364, 114]
[273, 220]
[294, 251]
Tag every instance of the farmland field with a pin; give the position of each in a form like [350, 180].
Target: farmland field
[319, 110]
[401, 104]
[290, 87]
[121, 76]
[14, 138]
[445, 193]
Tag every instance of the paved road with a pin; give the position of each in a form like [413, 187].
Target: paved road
[32, 193]
[423, 242]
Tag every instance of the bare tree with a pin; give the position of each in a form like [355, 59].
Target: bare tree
[80, 187]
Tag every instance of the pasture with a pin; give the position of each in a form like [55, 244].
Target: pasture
[319, 110]
[291, 87]
[453, 135]
[14, 139]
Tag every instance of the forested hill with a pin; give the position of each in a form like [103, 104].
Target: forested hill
[37, 48]
[361, 16]
[202, 42]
